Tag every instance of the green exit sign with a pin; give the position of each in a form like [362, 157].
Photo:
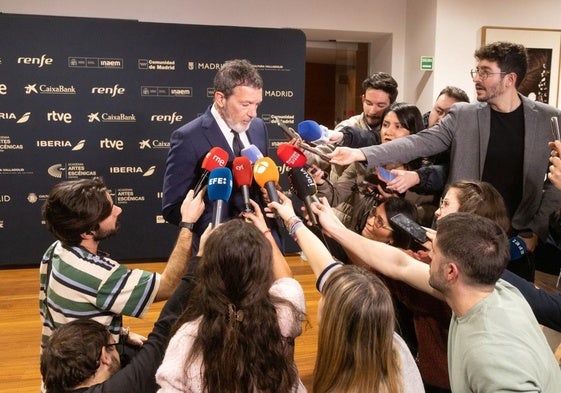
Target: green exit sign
[426, 63]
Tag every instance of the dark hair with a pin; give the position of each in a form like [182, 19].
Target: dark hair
[483, 199]
[235, 274]
[478, 246]
[71, 355]
[455, 92]
[510, 57]
[236, 73]
[396, 205]
[74, 207]
[381, 81]
[408, 115]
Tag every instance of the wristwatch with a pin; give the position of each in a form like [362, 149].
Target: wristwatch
[188, 225]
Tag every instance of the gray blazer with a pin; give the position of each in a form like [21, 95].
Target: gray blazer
[466, 132]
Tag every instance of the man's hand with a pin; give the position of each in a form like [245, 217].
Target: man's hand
[404, 180]
[329, 222]
[554, 174]
[346, 155]
[193, 206]
[335, 136]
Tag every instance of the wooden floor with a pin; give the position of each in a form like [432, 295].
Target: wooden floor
[20, 325]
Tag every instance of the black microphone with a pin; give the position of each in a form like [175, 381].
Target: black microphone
[302, 184]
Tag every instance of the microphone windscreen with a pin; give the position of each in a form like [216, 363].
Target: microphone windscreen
[265, 170]
[291, 155]
[220, 184]
[215, 158]
[301, 183]
[309, 130]
[243, 175]
[252, 152]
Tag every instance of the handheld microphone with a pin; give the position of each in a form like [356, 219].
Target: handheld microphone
[313, 133]
[219, 191]
[215, 158]
[302, 184]
[243, 176]
[291, 155]
[266, 174]
[517, 248]
[252, 152]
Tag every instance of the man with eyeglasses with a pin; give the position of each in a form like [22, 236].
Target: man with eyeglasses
[502, 139]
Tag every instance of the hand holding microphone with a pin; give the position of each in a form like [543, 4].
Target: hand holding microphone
[302, 184]
[219, 191]
[215, 158]
[243, 177]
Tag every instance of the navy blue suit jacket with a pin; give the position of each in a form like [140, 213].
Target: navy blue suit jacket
[188, 146]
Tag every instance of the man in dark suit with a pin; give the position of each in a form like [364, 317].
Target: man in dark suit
[238, 91]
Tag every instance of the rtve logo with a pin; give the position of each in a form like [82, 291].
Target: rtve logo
[38, 61]
[107, 143]
[111, 91]
[63, 116]
[170, 119]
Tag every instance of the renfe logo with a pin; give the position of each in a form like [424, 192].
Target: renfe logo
[112, 91]
[38, 61]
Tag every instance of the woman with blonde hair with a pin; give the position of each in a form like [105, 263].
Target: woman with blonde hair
[358, 350]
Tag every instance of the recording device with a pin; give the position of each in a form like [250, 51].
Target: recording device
[384, 175]
[243, 176]
[555, 129]
[252, 152]
[266, 174]
[302, 184]
[411, 227]
[293, 135]
[313, 133]
[215, 158]
[219, 191]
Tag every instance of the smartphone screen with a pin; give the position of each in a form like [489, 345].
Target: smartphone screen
[411, 227]
[555, 129]
[384, 175]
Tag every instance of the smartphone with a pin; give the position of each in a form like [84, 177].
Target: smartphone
[411, 227]
[555, 129]
[384, 175]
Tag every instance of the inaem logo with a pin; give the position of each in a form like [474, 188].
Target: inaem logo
[56, 170]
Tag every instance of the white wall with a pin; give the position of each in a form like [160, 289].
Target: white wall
[402, 30]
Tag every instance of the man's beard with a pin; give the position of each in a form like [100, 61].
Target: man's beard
[102, 235]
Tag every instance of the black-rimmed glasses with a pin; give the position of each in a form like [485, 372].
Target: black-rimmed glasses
[483, 74]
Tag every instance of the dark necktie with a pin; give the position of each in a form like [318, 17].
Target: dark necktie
[237, 145]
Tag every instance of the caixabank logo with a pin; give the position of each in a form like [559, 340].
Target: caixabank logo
[61, 144]
[132, 170]
[15, 117]
[153, 144]
[73, 170]
[104, 117]
[36, 88]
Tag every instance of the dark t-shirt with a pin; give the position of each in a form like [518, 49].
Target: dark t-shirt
[505, 156]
